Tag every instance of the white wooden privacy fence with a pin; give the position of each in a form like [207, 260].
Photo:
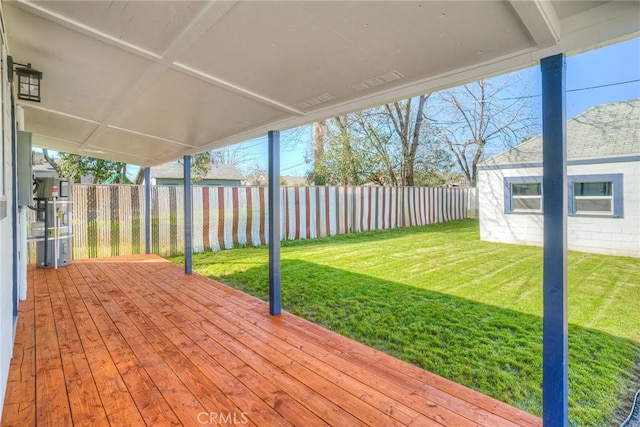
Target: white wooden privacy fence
[109, 220]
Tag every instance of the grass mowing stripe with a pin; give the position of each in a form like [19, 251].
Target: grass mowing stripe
[468, 310]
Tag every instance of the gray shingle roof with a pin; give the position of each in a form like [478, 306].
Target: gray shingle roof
[175, 170]
[602, 131]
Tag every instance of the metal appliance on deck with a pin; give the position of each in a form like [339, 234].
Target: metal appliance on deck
[52, 230]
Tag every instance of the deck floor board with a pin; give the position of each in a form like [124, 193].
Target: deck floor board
[134, 341]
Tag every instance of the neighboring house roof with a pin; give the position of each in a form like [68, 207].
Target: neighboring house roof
[175, 170]
[602, 131]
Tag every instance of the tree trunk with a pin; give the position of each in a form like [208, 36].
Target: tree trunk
[402, 119]
[319, 129]
[415, 140]
[52, 162]
[140, 176]
[318, 140]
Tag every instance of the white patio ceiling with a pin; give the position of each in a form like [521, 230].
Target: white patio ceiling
[146, 82]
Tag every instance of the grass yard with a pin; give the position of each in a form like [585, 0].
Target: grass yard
[468, 310]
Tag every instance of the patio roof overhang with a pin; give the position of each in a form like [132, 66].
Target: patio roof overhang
[148, 82]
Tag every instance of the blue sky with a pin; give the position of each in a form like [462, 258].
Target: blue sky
[593, 77]
[613, 64]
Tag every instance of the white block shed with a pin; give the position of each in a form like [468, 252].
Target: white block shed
[603, 168]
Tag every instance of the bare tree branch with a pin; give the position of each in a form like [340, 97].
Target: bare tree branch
[477, 115]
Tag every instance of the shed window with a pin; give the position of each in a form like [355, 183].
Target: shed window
[523, 194]
[596, 195]
[593, 198]
[526, 197]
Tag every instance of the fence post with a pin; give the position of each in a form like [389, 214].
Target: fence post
[352, 226]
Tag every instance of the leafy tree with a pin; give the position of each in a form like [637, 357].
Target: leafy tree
[346, 158]
[200, 165]
[319, 131]
[76, 167]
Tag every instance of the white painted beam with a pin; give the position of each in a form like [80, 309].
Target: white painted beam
[236, 89]
[541, 20]
[208, 17]
[36, 9]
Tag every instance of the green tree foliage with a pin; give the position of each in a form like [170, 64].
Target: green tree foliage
[76, 167]
[346, 158]
[200, 164]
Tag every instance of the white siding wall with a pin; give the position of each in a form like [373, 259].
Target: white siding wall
[6, 239]
[613, 236]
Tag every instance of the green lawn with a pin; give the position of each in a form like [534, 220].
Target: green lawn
[468, 310]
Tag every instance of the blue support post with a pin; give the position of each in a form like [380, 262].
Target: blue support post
[147, 210]
[275, 306]
[188, 208]
[554, 186]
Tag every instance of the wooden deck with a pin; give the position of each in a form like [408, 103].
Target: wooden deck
[131, 341]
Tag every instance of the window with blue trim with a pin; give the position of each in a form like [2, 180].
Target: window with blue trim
[596, 195]
[523, 194]
[589, 195]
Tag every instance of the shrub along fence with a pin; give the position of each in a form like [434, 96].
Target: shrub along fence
[108, 220]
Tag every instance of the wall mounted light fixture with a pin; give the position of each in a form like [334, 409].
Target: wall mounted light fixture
[28, 80]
